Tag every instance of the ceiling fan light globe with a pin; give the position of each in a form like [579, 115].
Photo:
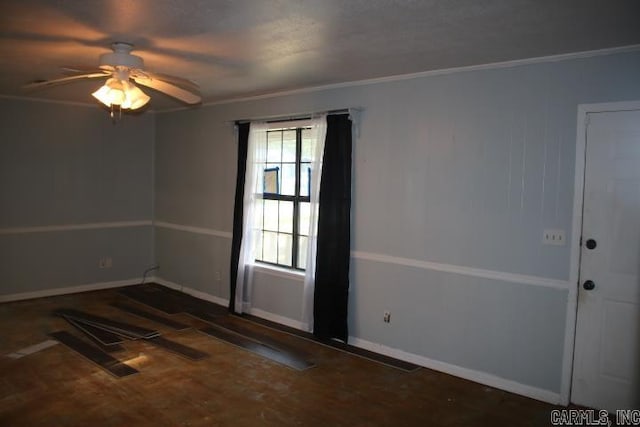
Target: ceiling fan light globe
[115, 84]
[136, 98]
[109, 96]
[102, 95]
[117, 97]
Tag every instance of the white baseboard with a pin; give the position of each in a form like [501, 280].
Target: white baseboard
[163, 282]
[187, 290]
[287, 321]
[67, 290]
[459, 371]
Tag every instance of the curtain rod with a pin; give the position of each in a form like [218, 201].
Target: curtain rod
[302, 116]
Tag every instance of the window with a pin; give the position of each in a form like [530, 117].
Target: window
[284, 210]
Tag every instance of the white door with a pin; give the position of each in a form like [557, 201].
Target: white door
[606, 373]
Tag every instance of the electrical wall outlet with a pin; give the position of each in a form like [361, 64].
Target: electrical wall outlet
[218, 276]
[387, 317]
[553, 237]
[105, 262]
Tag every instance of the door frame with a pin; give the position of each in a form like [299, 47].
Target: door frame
[576, 231]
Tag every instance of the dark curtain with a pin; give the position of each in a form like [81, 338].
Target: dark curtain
[243, 143]
[331, 294]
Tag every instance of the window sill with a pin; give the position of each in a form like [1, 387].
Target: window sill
[273, 270]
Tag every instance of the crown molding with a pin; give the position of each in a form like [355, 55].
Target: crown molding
[422, 74]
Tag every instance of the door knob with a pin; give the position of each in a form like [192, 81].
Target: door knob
[591, 244]
[588, 285]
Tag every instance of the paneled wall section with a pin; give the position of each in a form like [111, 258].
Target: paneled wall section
[455, 178]
[74, 188]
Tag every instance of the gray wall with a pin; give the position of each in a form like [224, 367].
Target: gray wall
[454, 171]
[66, 165]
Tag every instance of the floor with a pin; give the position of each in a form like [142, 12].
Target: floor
[57, 387]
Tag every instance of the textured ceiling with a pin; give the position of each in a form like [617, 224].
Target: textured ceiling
[239, 48]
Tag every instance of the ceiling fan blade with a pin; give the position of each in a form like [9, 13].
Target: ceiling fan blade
[178, 81]
[185, 95]
[63, 80]
[81, 69]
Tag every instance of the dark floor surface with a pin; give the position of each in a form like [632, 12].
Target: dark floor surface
[56, 387]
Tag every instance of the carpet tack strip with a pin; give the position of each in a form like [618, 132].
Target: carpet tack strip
[151, 316]
[104, 360]
[257, 348]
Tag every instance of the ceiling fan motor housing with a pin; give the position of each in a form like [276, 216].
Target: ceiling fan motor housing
[121, 57]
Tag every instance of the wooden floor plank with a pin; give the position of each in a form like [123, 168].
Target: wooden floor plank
[111, 325]
[177, 348]
[356, 351]
[105, 361]
[168, 300]
[189, 302]
[257, 348]
[247, 329]
[153, 298]
[111, 348]
[101, 336]
[150, 316]
[231, 387]
[209, 312]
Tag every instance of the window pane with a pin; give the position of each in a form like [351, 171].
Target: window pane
[286, 217]
[289, 146]
[305, 178]
[285, 245]
[288, 179]
[260, 181]
[275, 218]
[271, 179]
[259, 246]
[274, 146]
[302, 252]
[270, 247]
[303, 227]
[258, 214]
[307, 148]
[271, 215]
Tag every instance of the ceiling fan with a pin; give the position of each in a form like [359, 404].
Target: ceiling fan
[122, 69]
